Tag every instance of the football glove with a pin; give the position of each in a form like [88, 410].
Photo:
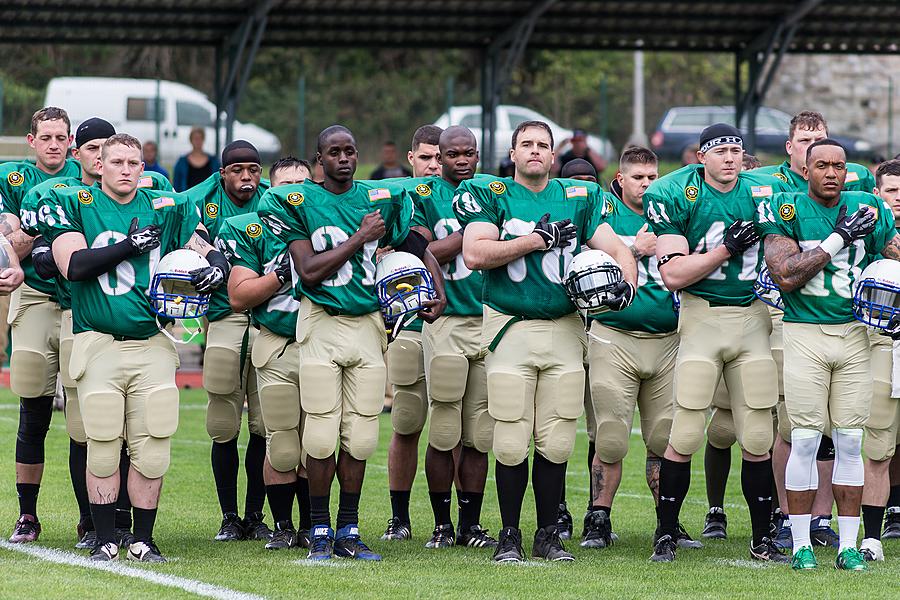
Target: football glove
[207, 279]
[856, 226]
[893, 328]
[283, 270]
[555, 234]
[145, 239]
[740, 236]
[623, 296]
[42, 259]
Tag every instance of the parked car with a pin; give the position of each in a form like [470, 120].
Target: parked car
[508, 118]
[130, 105]
[681, 126]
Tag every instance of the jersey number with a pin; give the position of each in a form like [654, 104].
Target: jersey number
[554, 262]
[329, 237]
[456, 269]
[841, 280]
[121, 281]
[282, 301]
[749, 259]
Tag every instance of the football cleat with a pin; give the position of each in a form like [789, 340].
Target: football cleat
[442, 537]
[105, 552]
[285, 536]
[321, 543]
[509, 547]
[891, 523]
[597, 530]
[255, 528]
[27, 529]
[821, 533]
[685, 541]
[716, 524]
[347, 544]
[397, 530]
[871, 549]
[778, 520]
[804, 559]
[475, 537]
[564, 522]
[124, 537]
[548, 546]
[850, 559]
[303, 538]
[767, 551]
[784, 539]
[87, 541]
[145, 551]
[664, 549]
[231, 530]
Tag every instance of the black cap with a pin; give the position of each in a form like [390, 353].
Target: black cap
[578, 167]
[93, 129]
[240, 151]
[579, 133]
[718, 134]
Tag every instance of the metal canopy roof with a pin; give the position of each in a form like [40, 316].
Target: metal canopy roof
[676, 25]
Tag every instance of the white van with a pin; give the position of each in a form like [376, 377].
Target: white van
[130, 105]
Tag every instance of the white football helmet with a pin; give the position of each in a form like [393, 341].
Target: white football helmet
[403, 285]
[876, 297]
[591, 279]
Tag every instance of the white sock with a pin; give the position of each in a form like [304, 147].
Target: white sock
[800, 530]
[848, 529]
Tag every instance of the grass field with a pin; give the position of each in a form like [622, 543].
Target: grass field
[189, 517]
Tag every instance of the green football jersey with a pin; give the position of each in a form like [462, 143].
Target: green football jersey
[307, 211]
[530, 286]
[682, 203]
[215, 206]
[828, 296]
[653, 309]
[247, 243]
[16, 179]
[433, 199]
[859, 178]
[116, 302]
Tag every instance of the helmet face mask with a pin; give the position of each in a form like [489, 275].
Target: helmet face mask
[591, 279]
[767, 290]
[172, 295]
[876, 298]
[403, 285]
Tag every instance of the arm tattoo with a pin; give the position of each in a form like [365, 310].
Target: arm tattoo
[892, 250]
[634, 252]
[789, 266]
[5, 227]
[20, 241]
[197, 244]
[653, 464]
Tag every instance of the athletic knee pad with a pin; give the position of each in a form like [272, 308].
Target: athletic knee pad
[410, 409]
[34, 422]
[360, 436]
[801, 473]
[103, 457]
[612, 440]
[320, 434]
[448, 374]
[405, 362]
[848, 462]
[759, 381]
[695, 384]
[445, 429]
[658, 437]
[223, 419]
[757, 433]
[688, 429]
[151, 457]
[479, 434]
[284, 450]
[826, 449]
[720, 431]
[511, 442]
[557, 441]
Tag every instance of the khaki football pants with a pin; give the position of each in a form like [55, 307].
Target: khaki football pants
[74, 423]
[883, 426]
[277, 363]
[34, 363]
[406, 374]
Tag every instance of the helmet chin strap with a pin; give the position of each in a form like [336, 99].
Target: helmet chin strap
[587, 328]
[166, 333]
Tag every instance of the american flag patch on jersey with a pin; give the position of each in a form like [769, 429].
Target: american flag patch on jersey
[759, 191]
[163, 202]
[145, 182]
[379, 194]
[576, 192]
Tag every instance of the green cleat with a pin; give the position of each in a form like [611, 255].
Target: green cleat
[804, 559]
[851, 559]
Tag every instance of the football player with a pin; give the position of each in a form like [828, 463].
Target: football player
[333, 231]
[815, 242]
[260, 281]
[34, 312]
[228, 377]
[123, 366]
[522, 232]
[708, 249]
[406, 369]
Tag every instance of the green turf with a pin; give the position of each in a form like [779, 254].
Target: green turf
[189, 517]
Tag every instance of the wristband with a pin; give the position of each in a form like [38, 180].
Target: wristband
[666, 258]
[833, 244]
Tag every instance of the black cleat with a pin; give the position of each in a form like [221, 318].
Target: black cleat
[303, 538]
[284, 536]
[105, 552]
[509, 548]
[597, 530]
[664, 549]
[716, 527]
[124, 537]
[397, 531]
[777, 522]
[475, 537]
[255, 528]
[87, 541]
[767, 551]
[891, 523]
[442, 537]
[232, 529]
[821, 533]
[145, 551]
[685, 541]
[564, 522]
[548, 546]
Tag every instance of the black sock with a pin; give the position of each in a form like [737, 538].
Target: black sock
[894, 496]
[104, 516]
[592, 449]
[674, 482]
[440, 506]
[348, 509]
[78, 473]
[144, 519]
[511, 485]
[548, 479]
[319, 513]
[281, 500]
[302, 488]
[400, 505]
[28, 495]
[225, 471]
[872, 518]
[607, 509]
[756, 483]
[469, 509]
[717, 465]
[254, 458]
[123, 502]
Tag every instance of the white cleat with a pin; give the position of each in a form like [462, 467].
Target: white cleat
[105, 553]
[871, 549]
[145, 552]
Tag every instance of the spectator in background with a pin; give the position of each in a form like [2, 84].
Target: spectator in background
[689, 155]
[750, 162]
[579, 149]
[151, 159]
[196, 165]
[390, 164]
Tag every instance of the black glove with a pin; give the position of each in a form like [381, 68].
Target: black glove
[856, 226]
[145, 239]
[555, 234]
[623, 296]
[42, 259]
[893, 328]
[283, 270]
[207, 279]
[740, 236]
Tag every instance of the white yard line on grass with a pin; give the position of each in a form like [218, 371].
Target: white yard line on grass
[191, 586]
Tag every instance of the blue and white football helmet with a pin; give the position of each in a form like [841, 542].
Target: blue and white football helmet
[767, 290]
[876, 296]
[403, 285]
[172, 295]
